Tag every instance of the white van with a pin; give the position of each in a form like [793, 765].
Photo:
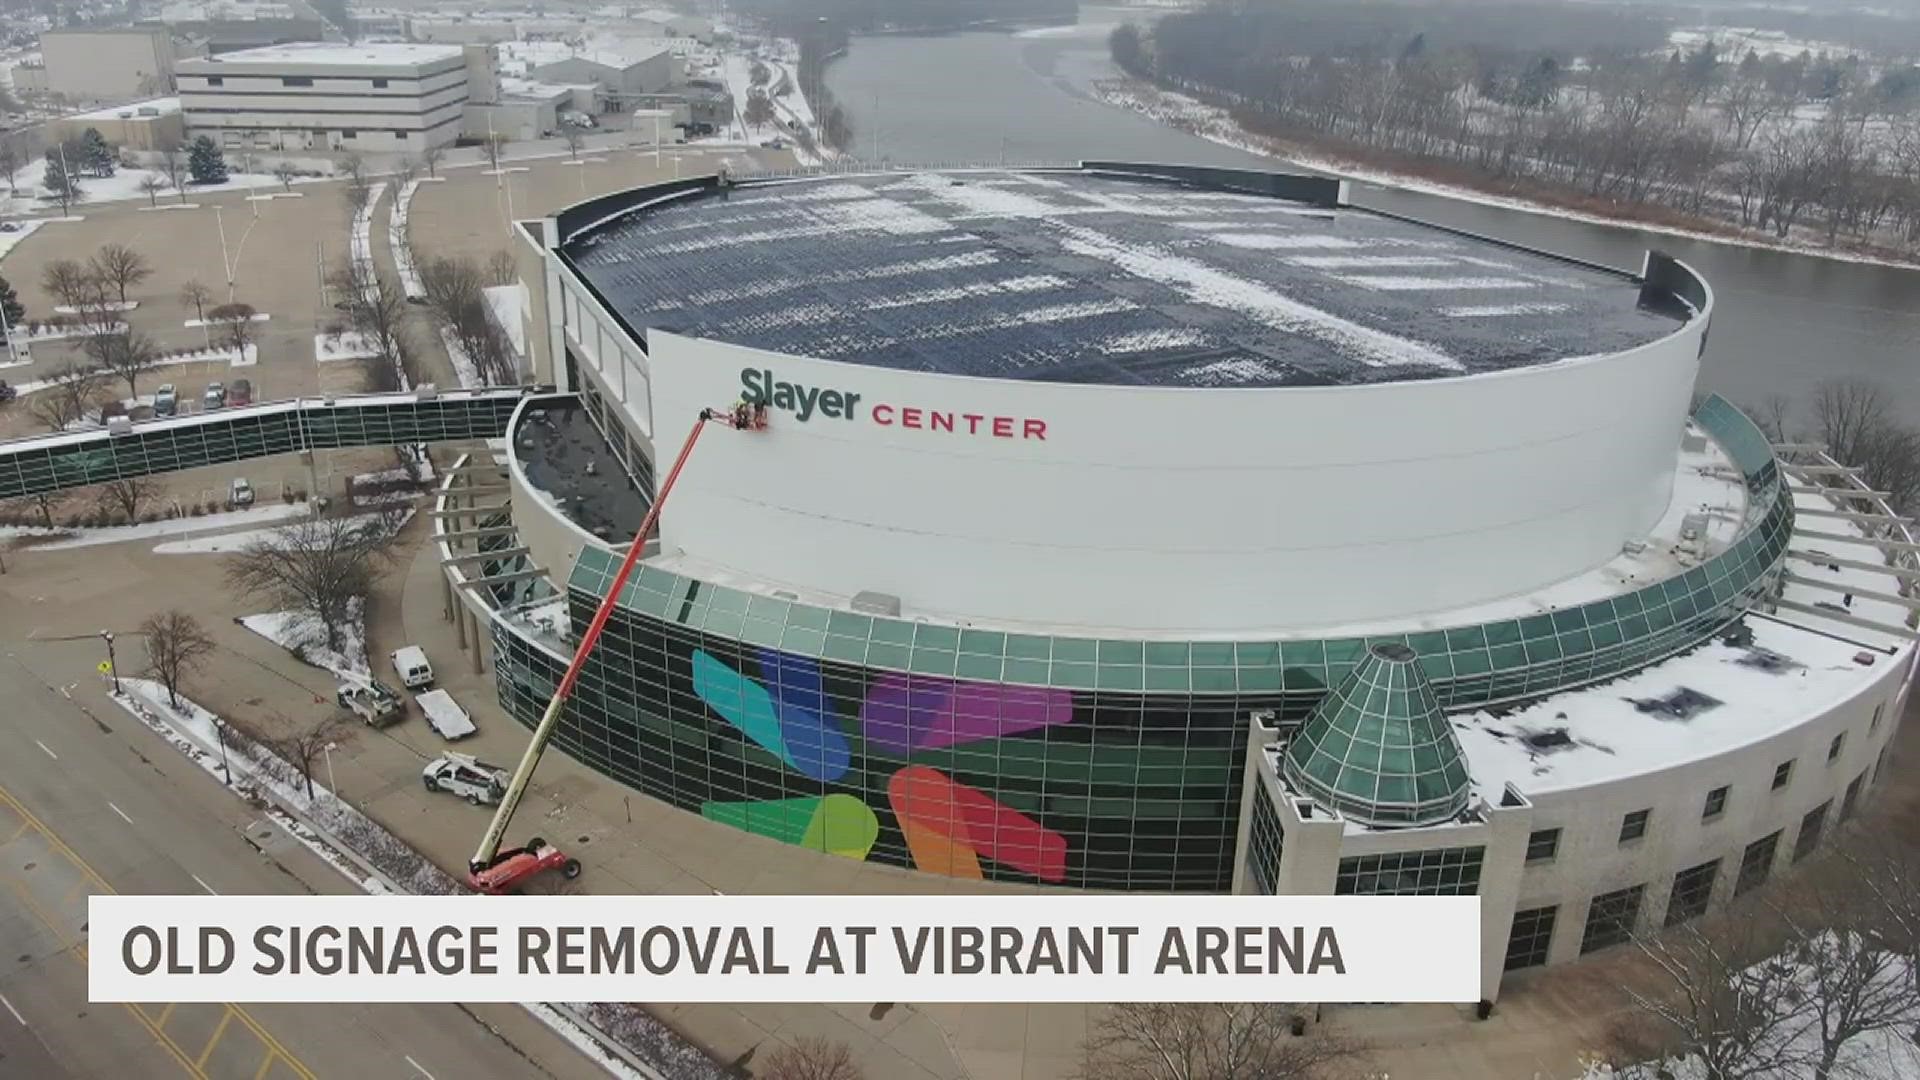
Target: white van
[411, 665]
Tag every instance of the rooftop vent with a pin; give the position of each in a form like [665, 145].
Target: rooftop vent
[875, 603]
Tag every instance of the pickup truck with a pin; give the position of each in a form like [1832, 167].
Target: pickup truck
[371, 702]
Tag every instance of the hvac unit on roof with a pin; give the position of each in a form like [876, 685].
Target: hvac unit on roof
[875, 603]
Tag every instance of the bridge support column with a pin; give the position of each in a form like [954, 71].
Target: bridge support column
[460, 626]
[478, 647]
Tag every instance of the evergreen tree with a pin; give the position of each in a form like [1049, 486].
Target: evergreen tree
[60, 183]
[96, 157]
[10, 304]
[205, 162]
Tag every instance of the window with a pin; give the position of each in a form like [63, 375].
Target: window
[1852, 797]
[1264, 840]
[295, 80]
[216, 80]
[1782, 773]
[1530, 938]
[347, 133]
[1634, 825]
[1442, 872]
[1691, 890]
[1833, 748]
[1810, 826]
[1611, 918]
[1716, 803]
[1756, 863]
[1543, 844]
[379, 84]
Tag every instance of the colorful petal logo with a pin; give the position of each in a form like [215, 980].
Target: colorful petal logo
[948, 826]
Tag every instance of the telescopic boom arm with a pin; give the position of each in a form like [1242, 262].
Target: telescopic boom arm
[489, 850]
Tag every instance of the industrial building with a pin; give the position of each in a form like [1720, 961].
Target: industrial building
[371, 98]
[1159, 528]
[110, 65]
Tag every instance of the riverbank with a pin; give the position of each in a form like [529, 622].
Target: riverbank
[1217, 123]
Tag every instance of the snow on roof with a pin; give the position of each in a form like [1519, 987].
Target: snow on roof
[614, 52]
[1147, 283]
[328, 52]
[515, 86]
[1798, 665]
[164, 106]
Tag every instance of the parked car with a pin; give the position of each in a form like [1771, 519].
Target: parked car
[240, 393]
[774, 144]
[239, 494]
[7, 393]
[216, 396]
[411, 665]
[371, 702]
[466, 776]
[165, 401]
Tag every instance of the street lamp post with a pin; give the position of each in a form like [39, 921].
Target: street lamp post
[220, 222]
[332, 786]
[220, 733]
[113, 669]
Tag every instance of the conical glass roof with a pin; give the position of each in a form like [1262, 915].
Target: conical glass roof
[1377, 747]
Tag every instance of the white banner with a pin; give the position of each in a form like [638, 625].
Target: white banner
[666, 949]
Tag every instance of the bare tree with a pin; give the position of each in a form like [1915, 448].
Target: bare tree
[319, 565]
[354, 168]
[120, 267]
[11, 159]
[176, 647]
[285, 173]
[574, 138]
[1848, 412]
[492, 146]
[812, 1059]
[1211, 1041]
[173, 162]
[1722, 998]
[503, 268]
[125, 354]
[377, 310]
[404, 171]
[455, 294]
[126, 496]
[69, 282]
[151, 185]
[1854, 985]
[68, 397]
[300, 743]
[196, 295]
[236, 326]
[430, 159]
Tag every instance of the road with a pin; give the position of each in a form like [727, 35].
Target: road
[92, 801]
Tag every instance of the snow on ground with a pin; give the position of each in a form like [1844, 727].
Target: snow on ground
[397, 240]
[110, 305]
[114, 534]
[360, 241]
[351, 345]
[195, 324]
[464, 367]
[509, 304]
[230, 542]
[302, 634]
[25, 229]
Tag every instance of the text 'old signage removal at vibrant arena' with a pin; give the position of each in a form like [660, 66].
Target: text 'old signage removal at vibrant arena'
[783, 948]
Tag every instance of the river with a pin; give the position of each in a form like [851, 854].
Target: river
[1785, 321]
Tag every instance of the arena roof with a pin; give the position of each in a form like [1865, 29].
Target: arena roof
[1088, 277]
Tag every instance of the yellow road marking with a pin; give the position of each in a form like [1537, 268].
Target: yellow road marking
[266, 1066]
[19, 832]
[273, 1045]
[214, 1040]
[164, 1013]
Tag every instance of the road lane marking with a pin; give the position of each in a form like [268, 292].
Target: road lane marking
[79, 951]
[202, 884]
[266, 1066]
[213, 1041]
[417, 1068]
[43, 746]
[16, 1012]
[122, 813]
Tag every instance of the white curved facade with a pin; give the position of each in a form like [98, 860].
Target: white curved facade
[1169, 510]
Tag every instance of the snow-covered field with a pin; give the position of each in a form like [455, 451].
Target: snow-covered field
[123, 185]
[397, 241]
[302, 634]
[180, 526]
[351, 345]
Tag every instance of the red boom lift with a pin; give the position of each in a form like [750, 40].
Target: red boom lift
[492, 870]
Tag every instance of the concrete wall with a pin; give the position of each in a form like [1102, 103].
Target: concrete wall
[131, 132]
[108, 65]
[1180, 510]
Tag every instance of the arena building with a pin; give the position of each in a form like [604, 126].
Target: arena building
[1158, 528]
